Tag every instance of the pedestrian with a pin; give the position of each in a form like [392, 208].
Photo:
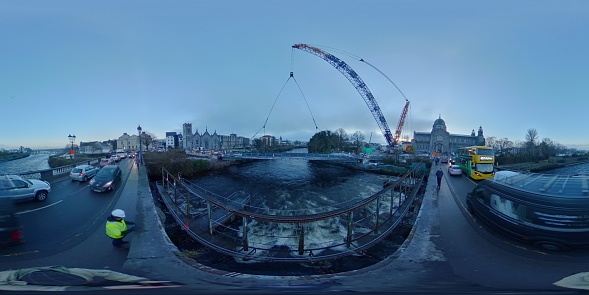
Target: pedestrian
[439, 175]
[116, 227]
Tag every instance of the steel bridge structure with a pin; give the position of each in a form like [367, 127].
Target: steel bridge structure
[234, 225]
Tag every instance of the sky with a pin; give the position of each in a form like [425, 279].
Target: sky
[98, 69]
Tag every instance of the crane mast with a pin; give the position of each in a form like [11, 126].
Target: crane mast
[401, 122]
[360, 86]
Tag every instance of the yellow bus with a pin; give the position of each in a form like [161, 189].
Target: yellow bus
[476, 161]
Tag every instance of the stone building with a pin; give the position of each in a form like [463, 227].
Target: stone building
[442, 142]
[208, 141]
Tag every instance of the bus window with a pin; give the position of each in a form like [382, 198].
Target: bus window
[508, 207]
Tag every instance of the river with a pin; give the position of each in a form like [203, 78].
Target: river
[33, 162]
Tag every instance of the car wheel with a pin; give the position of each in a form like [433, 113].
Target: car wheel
[84, 179]
[551, 246]
[41, 196]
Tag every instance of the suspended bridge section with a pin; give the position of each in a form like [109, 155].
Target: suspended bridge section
[238, 226]
[273, 156]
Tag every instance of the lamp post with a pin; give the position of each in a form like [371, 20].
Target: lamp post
[140, 148]
[72, 138]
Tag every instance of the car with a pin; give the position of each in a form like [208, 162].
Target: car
[19, 188]
[106, 179]
[115, 158]
[107, 161]
[83, 172]
[454, 170]
[10, 227]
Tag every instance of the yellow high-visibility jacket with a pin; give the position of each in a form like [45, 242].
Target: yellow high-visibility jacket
[115, 228]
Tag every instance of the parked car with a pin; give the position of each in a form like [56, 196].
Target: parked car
[106, 179]
[22, 189]
[83, 172]
[454, 170]
[10, 227]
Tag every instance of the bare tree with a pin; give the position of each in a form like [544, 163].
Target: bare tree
[342, 138]
[504, 144]
[147, 138]
[358, 138]
[531, 139]
[491, 141]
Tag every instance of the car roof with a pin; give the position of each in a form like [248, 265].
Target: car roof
[110, 167]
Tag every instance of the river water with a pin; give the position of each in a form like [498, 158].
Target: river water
[33, 162]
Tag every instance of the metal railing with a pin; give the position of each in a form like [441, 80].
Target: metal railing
[233, 225]
[50, 174]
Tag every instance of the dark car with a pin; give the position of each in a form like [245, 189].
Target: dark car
[106, 179]
[10, 228]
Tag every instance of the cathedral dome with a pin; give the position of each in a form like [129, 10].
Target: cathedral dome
[439, 122]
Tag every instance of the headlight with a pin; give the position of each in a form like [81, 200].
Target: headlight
[108, 184]
[92, 181]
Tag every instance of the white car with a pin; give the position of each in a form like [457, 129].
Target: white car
[83, 172]
[21, 189]
[454, 170]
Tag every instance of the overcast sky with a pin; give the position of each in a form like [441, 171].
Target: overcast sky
[98, 69]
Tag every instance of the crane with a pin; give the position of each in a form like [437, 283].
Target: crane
[361, 87]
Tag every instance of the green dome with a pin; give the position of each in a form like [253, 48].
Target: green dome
[439, 122]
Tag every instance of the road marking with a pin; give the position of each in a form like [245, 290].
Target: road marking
[29, 211]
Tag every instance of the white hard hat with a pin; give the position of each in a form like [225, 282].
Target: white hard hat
[118, 213]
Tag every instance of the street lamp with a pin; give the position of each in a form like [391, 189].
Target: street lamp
[139, 131]
[72, 138]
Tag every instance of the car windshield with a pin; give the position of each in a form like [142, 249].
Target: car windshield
[105, 173]
[76, 170]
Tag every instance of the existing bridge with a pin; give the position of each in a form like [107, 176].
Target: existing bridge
[307, 156]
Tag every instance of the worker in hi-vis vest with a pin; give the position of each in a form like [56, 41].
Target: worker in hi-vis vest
[116, 227]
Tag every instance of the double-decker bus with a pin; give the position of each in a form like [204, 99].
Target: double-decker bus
[476, 161]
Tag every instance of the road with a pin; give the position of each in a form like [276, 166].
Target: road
[486, 256]
[71, 213]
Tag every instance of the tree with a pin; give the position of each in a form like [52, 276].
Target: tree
[322, 142]
[491, 141]
[342, 138]
[147, 138]
[504, 144]
[530, 144]
[358, 138]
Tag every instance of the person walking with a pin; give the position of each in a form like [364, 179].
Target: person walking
[439, 175]
[116, 227]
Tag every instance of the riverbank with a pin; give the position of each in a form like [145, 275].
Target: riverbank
[5, 157]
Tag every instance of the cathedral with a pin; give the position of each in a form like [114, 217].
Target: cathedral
[439, 140]
[208, 141]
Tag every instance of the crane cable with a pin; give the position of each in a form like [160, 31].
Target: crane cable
[275, 100]
[362, 60]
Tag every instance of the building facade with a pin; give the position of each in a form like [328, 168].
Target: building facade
[128, 143]
[207, 141]
[442, 142]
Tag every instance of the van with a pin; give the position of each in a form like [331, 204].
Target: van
[549, 211]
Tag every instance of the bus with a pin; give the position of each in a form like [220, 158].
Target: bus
[549, 211]
[476, 161]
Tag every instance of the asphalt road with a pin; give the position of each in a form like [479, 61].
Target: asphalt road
[69, 216]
